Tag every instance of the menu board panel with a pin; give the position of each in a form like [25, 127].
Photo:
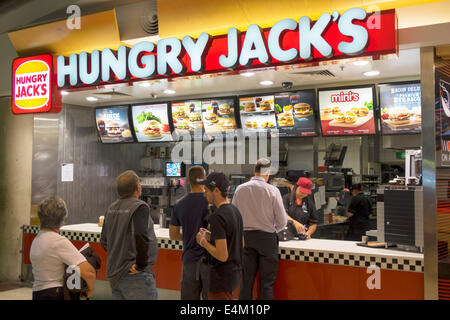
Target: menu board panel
[257, 113]
[295, 113]
[151, 123]
[400, 107]
[113, 125]
[187, 118]
[218, 116]
[347, 111]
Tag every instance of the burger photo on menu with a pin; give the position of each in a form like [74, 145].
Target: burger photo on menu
[249, 106]
[113, 129]
[151, 122]
[225, 110]
[347, 111]
[265, 105]
[285, 119]
[302, 110]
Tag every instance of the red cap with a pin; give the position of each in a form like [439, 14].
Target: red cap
[305, 185]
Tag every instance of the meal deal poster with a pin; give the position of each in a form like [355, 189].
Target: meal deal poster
[295, 113]
[218, 116]
[400, 106]
[113, 125]
[151, 123]
[187, 118]
[347, 111]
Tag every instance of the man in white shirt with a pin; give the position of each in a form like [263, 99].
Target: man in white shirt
[263, 214]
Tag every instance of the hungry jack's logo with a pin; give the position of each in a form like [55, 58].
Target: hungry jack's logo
[33, 86]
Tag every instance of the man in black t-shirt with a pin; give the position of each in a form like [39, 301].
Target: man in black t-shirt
[224, 241]
[190, 213]
[358, 214]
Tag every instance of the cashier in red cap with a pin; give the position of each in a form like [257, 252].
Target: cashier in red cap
[300, 207]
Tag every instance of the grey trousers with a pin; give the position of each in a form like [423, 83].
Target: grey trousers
[195, 281]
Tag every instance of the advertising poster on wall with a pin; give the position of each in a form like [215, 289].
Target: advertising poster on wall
[400, 107]
[442, 107]
[347, 111]
[151, 123]
[113, 125]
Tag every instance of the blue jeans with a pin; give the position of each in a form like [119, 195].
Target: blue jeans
[141, 286]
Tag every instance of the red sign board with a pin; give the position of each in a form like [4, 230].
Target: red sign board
[34, 85]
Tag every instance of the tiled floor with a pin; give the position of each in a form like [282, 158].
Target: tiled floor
[23, 291]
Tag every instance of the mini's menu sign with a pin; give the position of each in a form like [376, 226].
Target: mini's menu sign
[151, 123]
[113, 125]
[218, 116]
[347, 111]
[187, 118]
[400, 106]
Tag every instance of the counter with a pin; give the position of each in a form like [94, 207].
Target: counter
[312, 269]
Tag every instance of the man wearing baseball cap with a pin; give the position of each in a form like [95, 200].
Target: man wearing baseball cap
[224, 240]
[263, 213]
[301, 208]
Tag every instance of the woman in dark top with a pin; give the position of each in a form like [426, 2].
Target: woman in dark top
[300, 207]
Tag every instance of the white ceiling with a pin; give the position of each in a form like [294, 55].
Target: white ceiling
[404, 67]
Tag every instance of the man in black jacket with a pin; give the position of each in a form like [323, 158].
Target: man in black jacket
[129, 239]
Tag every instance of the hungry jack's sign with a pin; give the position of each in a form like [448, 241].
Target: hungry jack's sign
[289, 41]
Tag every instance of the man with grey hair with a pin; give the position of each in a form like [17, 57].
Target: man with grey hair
[128, 237]
[263, 214]
[50, 252]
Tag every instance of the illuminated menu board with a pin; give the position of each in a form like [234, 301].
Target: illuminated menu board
[218, 116]
[187, 118]
[291, 113]
[113, 125]
[400, 107]
[347, 111]
[150, 123]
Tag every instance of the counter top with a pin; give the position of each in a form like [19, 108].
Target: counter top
[338, 252]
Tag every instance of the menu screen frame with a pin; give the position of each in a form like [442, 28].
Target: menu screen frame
[212, 137]
[280, 92]
[169, 120]
[99, 136]
[375, 108]
[380, 108]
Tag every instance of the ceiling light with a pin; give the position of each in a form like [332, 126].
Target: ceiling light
[247, 74]
[91, 99]
[64, 93]
[371, 73]
[360, 63]
[266, 83]
[169, 91]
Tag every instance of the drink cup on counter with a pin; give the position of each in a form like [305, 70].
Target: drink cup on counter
[101, 220]
[365, 239]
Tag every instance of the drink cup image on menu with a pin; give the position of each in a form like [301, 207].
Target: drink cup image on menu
[151, 123]
[347, 111]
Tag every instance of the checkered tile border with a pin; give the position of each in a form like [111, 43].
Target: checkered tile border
[354, 260]
[170, 244]
[71, 235]
[342, 259]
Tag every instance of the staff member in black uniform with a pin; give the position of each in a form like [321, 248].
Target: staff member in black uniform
[358, 214]
[300, 207]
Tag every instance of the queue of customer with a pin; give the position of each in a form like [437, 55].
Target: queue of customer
[222, 250]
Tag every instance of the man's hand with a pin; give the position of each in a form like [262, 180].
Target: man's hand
[200, 237]
[133, 270]
[206, 233]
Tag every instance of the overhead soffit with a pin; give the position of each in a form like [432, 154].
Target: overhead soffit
[97, 31]
[443, 52]
[178, 18]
